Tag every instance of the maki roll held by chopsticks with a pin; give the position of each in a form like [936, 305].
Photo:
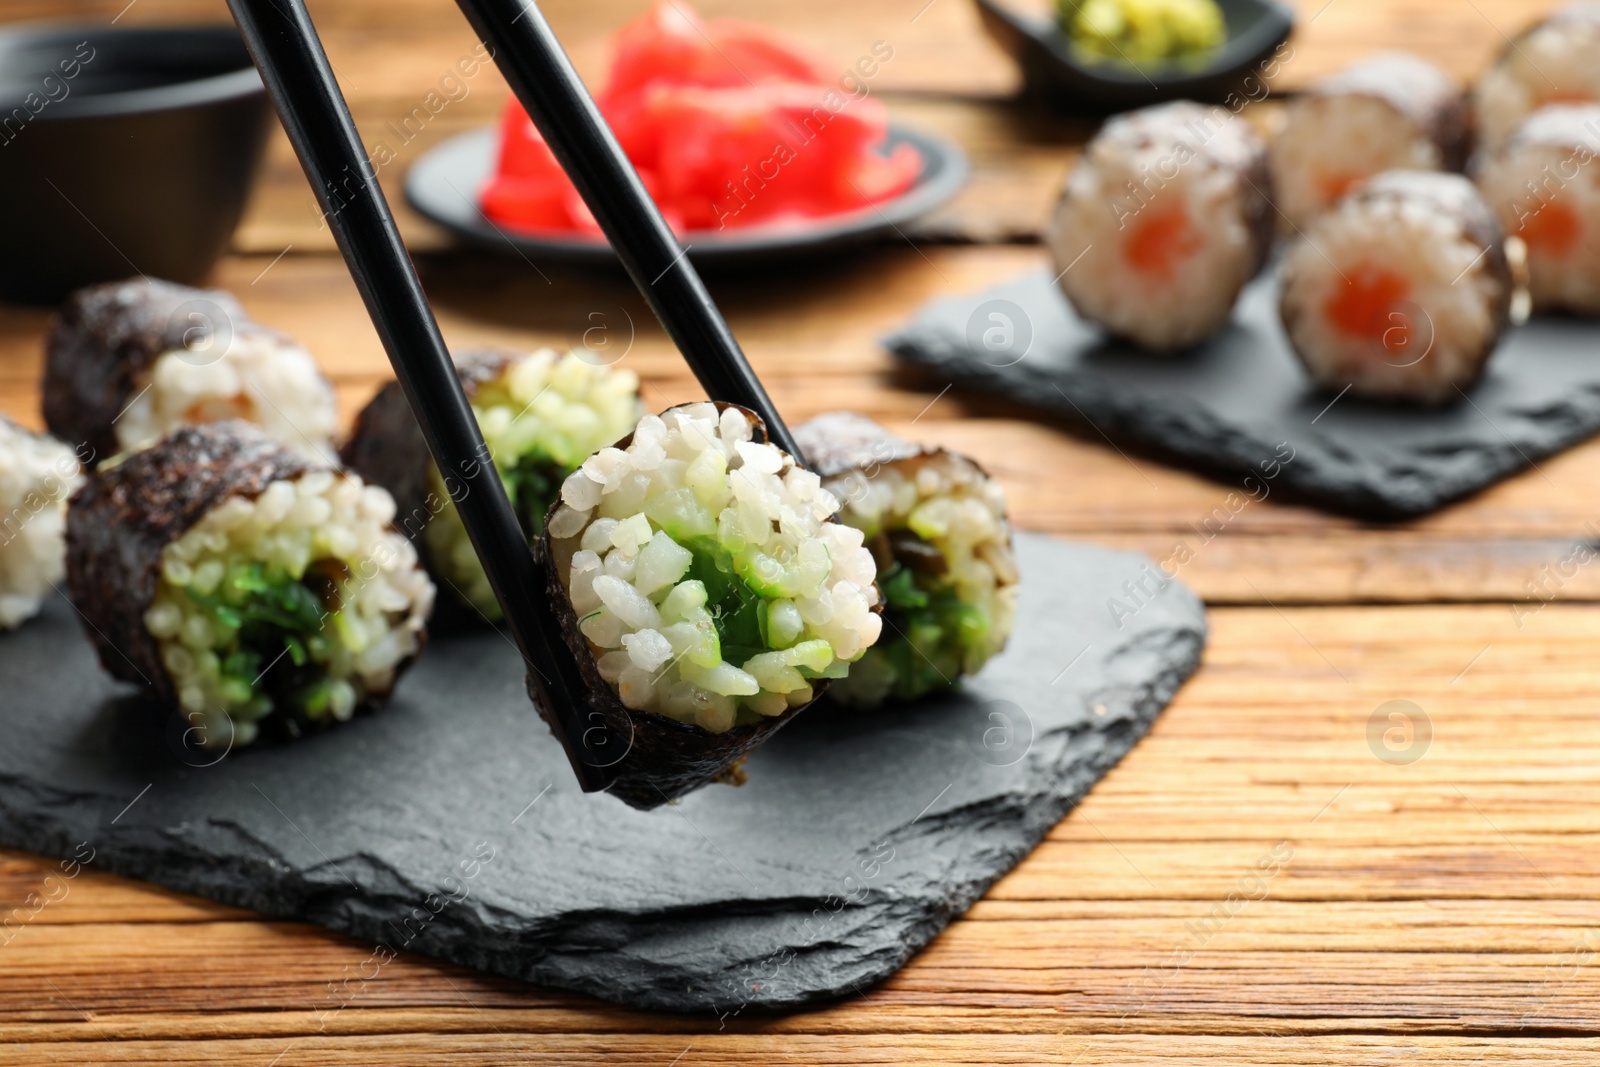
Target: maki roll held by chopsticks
[541, 415]
[936, 525]
[1401, 291]
[1161, 223]
[1390, 111]
[37, 475]
[1541, 184]
[127, 362]
[709, 592]
[1554, 61]
[244, 584]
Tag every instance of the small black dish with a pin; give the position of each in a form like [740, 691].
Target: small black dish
[443, 186]
[1055, 75]
[122, 151]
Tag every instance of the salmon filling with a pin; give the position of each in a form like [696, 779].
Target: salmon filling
[1160, 241]
[1553, 229]
[1332, 185]
[1364, 307]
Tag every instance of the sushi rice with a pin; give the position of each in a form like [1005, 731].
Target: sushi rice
[1401, 291]
[258, 376]
[936, 524]
[1544, 185]
[302, 603]
[1556, 61]
[1390, 111]
[1162, 222]
[37, 475]
[128, 362]
[706, 573]
[542, 415]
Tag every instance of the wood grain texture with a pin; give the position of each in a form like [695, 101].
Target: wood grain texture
[940, 48]
[1436, 904]
[1436, 911]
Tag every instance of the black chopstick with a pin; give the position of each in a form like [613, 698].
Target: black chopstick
[533, 62]
[288, 54]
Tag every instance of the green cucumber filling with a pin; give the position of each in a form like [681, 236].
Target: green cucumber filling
[706, 575]
[541, 417]
[272, 644]
[937, 529]
[929, 632]
[296, 608]
[532, 482]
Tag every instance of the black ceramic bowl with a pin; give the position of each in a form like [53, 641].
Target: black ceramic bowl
[122, 151]
[1053, 73]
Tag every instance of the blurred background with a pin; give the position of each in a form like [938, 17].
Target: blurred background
[946, 75]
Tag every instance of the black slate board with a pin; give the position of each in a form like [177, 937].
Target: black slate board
[450, 825]
[1229, 407]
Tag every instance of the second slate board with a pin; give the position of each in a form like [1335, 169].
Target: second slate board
[1240, 404]
[449, 823]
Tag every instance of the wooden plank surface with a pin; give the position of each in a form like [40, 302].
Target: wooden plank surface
[1436, 903]
[1435, 911]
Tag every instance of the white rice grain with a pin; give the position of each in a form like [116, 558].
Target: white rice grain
[37, 475]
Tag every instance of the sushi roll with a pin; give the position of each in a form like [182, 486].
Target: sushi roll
[1162, 222]
[126, 362]
[541, 415]
[1401, 291]
[244, 584]
[1554, 61]
[37, 475]
[1390, 111]
[936, 525]
[1545, 192]
[708, 590]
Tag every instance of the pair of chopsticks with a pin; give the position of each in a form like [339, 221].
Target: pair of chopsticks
[286, 50]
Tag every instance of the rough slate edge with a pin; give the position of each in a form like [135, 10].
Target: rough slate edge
[699, 958]
[1329, 469]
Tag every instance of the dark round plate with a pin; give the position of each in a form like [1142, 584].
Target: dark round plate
[443, 185]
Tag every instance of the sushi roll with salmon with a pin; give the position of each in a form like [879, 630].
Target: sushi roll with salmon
[1401, 291]
[37, 475]
[245, 585]
[708, 591]
[1545, 190]
[1162, 222]
[541, 415]
[937, 528]
[1390, 111]
[127, 362]
[1553, 61]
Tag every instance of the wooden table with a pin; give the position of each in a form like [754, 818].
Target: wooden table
[1437, 911]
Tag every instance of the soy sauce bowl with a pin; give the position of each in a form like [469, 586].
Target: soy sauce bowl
[1054, 73]
[123, 151]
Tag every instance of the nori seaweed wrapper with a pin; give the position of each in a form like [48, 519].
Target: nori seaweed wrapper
[123, 516]
[841, 441]
[104, 341]
[664, 758]
[838, 442]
